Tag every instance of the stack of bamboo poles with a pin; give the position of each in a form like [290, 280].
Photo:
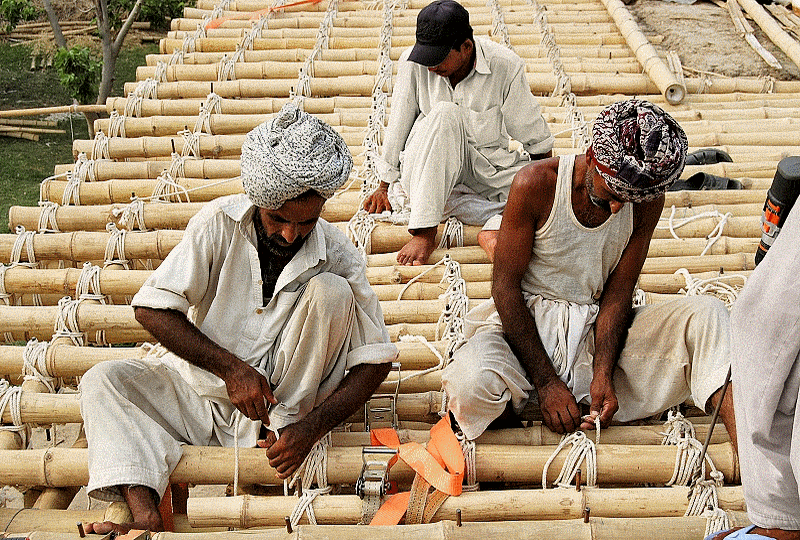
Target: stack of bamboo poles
[171, 136]
[27, 129]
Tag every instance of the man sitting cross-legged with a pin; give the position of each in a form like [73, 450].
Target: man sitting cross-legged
[286, 330]
[574, 237]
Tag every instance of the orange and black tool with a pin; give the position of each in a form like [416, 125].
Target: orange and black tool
[780, 200]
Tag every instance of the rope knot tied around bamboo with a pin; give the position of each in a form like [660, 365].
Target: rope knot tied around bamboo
[313, 470]
[34, 364]
[712, 237]
[10, 397]
[582, 451]
[131, 216]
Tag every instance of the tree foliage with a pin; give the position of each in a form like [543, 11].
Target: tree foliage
[156, 12]
[14, 11]
[78, 71]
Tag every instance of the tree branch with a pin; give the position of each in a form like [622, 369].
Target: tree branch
[132, 16]
[54, 24]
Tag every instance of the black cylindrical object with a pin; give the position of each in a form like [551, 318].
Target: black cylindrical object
[780, 198]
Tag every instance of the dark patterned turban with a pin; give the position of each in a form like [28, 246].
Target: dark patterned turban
[640, 150]
[291, 154]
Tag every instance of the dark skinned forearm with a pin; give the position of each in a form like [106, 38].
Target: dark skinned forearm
[354, 390]
[519, 329]
[175, 332]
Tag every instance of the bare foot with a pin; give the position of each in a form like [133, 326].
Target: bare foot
[419, 248]
[105, 527]
[488, 241]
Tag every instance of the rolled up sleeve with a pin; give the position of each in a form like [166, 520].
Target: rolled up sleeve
[182, 279]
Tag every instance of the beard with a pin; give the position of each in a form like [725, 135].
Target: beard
[278, 247]
[597, 201]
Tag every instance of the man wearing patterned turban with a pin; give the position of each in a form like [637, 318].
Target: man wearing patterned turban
[560, 325]
[284, 332]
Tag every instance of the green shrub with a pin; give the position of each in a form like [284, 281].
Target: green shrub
[156, 12]
[14, 11]
[78, 71]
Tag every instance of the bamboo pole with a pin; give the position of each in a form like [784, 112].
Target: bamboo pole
[14, 113]
[90, 246]
[671, 284]
[132, 170]
[616, 465]
[69, 361]
[42, 409]
[652, 64]
[773, 29]
[482, 506]
[664, 528]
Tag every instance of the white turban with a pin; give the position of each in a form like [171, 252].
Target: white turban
[291, 154]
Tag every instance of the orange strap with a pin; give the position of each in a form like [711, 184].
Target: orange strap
[252, 15]
[441, 465]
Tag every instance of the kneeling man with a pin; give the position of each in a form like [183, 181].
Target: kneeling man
[574, 237]
[285, 330]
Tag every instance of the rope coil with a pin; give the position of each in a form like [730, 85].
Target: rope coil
[715, 286]
[34, 364]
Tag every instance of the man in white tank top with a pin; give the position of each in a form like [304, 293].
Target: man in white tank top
[574, 237]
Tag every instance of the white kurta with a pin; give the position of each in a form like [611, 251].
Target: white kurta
[445, 136]
[322, 320]
[765, 359]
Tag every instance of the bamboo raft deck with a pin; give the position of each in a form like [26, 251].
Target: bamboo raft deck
[107, 220]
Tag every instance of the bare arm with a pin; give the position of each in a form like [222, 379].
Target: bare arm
[287, 453]
[613, 318]
[529, 204]
[247, 388]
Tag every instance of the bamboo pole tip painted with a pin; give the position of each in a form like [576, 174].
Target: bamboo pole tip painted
[675, 93]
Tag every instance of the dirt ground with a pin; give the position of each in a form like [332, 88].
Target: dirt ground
[705, 39]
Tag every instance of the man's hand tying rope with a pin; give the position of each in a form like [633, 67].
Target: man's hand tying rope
[287, 453]
[604, 402]
[559, 409]
[379, 200]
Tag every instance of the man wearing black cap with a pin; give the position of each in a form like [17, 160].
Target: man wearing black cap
[456, 101]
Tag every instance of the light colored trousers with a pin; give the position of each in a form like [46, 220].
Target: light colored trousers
[674, 350]
[765, 337]
[439, 157]
[139, 413]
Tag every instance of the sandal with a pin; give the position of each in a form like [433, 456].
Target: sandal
[708, 156]
[705, 181]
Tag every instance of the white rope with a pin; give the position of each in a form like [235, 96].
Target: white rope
[715, 286]
[34, 364]
[717, 520]
[5, 299]
[115, 247]
[168, 190]
[436, 353]
[227, 66]
[72, 191]
[453, 234]
[160, 74]
[456, 307]
[582, 450]
[47, 217]
[10, 397]
[313, 470]
[146, 89]
[678, 428]
[100, 146]
[499, 27]
[24, 240]
[359, 231]
[673, 224]
[176, 57]
[687, 460]
[67, 321]
[177, 167]
[88, 286]
[84, 168]
[131, 216]
[116, 125]
[470, 469]
[639, 297]
[191, 143]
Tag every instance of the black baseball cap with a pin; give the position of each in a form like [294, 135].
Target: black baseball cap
[440, 25]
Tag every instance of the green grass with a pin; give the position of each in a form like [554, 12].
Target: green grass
[24, 164]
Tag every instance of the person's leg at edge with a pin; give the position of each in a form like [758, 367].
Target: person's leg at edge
[488, 240]
[726, 414]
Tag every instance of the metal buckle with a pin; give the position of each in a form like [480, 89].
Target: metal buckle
[374, 470]
[382, 408]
